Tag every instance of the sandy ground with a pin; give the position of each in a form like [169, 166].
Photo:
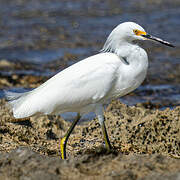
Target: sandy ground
[146, 145]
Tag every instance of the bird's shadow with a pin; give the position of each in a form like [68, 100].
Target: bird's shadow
[26, 123]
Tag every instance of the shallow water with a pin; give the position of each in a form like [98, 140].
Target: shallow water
[44, 32]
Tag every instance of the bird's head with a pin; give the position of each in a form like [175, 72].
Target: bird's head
[130, 31]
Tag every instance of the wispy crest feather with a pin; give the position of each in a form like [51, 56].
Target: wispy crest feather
[111, 44]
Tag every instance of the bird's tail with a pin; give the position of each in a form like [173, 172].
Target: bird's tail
[16, 101]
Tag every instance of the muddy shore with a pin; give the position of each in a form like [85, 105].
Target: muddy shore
[146, 145]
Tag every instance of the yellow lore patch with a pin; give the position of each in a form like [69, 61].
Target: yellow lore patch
[138, 32]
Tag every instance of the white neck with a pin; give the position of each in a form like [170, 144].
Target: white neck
[122, 50]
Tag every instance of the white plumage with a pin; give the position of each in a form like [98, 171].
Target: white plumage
[85, 86]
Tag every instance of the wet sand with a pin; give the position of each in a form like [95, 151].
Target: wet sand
[146, 145]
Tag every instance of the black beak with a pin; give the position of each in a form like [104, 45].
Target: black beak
[148, 36]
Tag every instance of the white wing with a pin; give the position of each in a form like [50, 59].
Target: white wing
[81, 84]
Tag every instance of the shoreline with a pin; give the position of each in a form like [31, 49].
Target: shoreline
[146, 145]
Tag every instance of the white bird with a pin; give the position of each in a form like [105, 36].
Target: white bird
[84, 87]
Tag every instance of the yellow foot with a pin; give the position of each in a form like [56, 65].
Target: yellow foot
[63, 148]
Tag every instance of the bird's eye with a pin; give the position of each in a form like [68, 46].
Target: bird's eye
[136, 31]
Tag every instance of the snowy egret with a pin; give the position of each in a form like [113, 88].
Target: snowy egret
[84, 87]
